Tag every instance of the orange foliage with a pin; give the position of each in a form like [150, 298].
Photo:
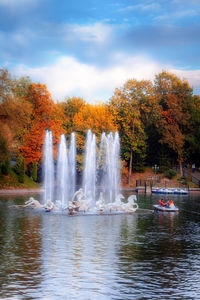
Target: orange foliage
[167, 117]
[46, 116]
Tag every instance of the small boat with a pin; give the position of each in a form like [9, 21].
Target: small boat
[165, 208]
[180, 191]
[170, 191]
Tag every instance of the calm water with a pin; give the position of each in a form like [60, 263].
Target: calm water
[146, 256]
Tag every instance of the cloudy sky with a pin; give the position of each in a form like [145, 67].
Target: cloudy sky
[88, 48]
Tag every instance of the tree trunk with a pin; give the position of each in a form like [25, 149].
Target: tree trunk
[130, 167]
[189, 174]
[180, 167]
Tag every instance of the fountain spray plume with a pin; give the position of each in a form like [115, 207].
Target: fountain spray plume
[72, 165]
[109, 166]
[62, 174]
[48, 168]
[89, 172]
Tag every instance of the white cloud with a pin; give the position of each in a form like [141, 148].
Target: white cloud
[142, 6]
[192, 76]
[69, 77]
[177, 15]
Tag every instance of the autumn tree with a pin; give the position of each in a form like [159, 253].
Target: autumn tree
[95, 117]
[15, 113]
[70, 107]
[4, 145]
[6, 95]
[173, 96]
[130, 106]
[6, 85]
[45, 116]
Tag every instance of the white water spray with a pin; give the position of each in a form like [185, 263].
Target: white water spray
[72, 165]
[48, 168]
[109, 166]
[89, 172]
[62, 174]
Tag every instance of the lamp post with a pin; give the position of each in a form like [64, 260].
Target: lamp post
[155, 168]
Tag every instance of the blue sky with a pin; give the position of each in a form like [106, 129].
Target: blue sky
[89, 48]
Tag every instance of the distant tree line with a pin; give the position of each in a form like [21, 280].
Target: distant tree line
[158, 122]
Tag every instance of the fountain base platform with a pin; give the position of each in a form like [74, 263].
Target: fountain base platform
[139, 211]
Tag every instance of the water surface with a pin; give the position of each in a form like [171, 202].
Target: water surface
[144, 256]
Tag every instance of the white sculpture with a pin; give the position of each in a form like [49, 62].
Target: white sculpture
[119, 205]
[79, 202]
[100, 204]
[50, 206]
[32, 203]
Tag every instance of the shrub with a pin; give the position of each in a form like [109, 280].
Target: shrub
[19, 168]
[184, 182]
[6, 167]
[22, 171]
[181, 178]
[170, 173]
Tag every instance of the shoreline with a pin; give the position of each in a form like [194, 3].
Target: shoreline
[40, 190]
[20, 191]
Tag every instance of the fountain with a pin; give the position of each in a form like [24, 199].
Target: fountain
[100, 191]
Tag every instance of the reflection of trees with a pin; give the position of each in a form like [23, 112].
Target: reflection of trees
[20, 249]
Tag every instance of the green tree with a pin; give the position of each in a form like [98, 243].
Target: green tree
[130, 107]
[6, 168]
[192, 145]
[34, 171]
[22, 171]
[19, 168]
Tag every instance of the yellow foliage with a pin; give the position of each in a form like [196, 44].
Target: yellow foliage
[94, 117]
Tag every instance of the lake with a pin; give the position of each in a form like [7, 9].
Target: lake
[138, 256]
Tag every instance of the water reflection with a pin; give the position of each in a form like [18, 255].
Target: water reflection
[20, 248]
[52, 256]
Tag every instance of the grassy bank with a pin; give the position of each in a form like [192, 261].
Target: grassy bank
[11, 181]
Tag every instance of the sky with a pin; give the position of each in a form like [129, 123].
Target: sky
[88, 48]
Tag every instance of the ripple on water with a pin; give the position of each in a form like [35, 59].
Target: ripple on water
[107, 257]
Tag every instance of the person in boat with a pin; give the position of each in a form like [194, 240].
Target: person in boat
[161, 202]
[170, 203]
